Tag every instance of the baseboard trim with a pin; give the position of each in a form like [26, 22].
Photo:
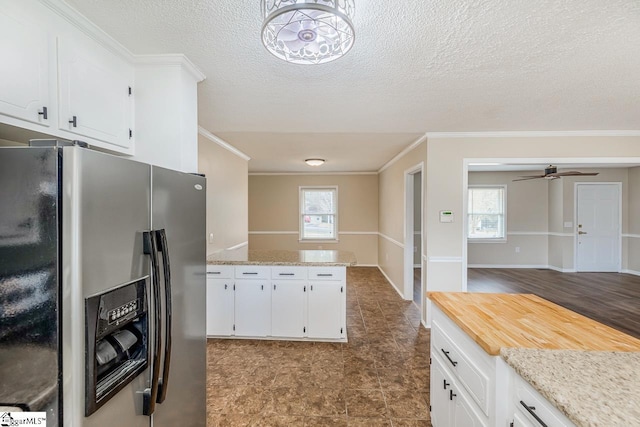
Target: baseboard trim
[632, 272]
[561, 270]
[393, 285]
[506, 266]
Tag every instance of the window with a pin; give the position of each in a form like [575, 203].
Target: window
[486, 212]
[318, 213]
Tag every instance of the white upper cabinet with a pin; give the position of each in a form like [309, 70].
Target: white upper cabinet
[24, 70]
[94, 92]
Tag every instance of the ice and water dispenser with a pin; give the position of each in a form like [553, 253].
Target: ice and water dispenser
[116, 341]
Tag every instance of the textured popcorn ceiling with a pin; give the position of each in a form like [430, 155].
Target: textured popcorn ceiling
[416, 66]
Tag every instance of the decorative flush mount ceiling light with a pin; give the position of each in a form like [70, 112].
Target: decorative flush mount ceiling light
[314, 162]
[308, 31]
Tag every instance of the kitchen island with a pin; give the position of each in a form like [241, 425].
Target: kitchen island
[278, 294]
[519, 360]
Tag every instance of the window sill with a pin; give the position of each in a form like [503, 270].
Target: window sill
[502, 240]
[318, 241]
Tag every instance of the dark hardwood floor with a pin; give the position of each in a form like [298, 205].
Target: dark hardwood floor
[609, 298]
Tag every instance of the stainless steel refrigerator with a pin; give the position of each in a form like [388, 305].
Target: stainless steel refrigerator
[102, 289]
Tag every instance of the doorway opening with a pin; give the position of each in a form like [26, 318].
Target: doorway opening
[413, 253]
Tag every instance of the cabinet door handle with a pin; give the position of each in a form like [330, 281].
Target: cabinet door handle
[324, 275]
[250, 274]
[287, 274]
[274, 287]
[446, 354]
[225, 286]
[451, 395]
[531, 410]
[262, 287]
[74, 121]
[43, 113]
[213, 272]
[446, 384]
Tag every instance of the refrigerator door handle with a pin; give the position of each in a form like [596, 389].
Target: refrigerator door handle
[163, 247]
[150, 394]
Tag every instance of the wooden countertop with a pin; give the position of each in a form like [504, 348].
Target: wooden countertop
[496, 321]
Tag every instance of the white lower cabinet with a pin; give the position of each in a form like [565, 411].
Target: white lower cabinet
[252, 308]
[450, 404]
[279, 302]
[470, 388]
[220, 300]
[288, 308]
[326, 308]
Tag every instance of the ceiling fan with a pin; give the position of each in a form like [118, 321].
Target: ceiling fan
[551, 172]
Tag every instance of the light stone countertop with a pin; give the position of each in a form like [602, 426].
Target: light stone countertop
[592, 388]
[324, 258]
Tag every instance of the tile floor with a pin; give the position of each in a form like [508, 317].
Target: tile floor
[379, 378]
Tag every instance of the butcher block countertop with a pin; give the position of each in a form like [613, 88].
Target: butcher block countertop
[496, 321]
[322, 258]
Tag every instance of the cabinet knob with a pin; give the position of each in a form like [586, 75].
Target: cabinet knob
[74, 121]
[43, 113]
[451, 395]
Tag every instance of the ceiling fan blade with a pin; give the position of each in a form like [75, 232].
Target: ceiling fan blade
[575, 173]
[529, 177]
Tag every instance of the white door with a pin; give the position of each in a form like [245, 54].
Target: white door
[24, 70]
[325, 309]
[252, 308]
[219, 307]
[287, 308]
[598, 227]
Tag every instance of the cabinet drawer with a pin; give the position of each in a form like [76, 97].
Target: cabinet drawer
[327, 273]
[252, 272]
[526, 395]
[219, 271]
[463, 359]
[289, 273]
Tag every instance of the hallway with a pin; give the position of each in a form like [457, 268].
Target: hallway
[379, 378]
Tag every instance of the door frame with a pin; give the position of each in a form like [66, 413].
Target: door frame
[575, 221]
[409, 233]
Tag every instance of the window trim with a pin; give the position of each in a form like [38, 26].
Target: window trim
[301, 237]
[502, 239]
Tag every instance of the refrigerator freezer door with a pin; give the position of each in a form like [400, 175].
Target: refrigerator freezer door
[178, 206]
[29, 277]
[106, 209]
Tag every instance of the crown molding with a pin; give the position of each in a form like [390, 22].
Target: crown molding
[222, 143]
[532, 134]
[398, 156]
[81, 22]
[311, 173]
[171, 59]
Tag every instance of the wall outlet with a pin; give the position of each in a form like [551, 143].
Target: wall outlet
[211, 238]
[517, 249]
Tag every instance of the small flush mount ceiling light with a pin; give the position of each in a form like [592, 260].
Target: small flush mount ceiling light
[308, 31]
[314, 162]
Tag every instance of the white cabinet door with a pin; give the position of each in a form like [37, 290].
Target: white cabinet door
[520, 420]
[252, 308]
[463, 413]
[24, 70]
[220, 307]
[439, 393]
[288, 308]
[94, 92]
[325, 309]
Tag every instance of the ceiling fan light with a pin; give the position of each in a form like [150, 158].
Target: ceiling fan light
[308, 31]
[314, 162]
